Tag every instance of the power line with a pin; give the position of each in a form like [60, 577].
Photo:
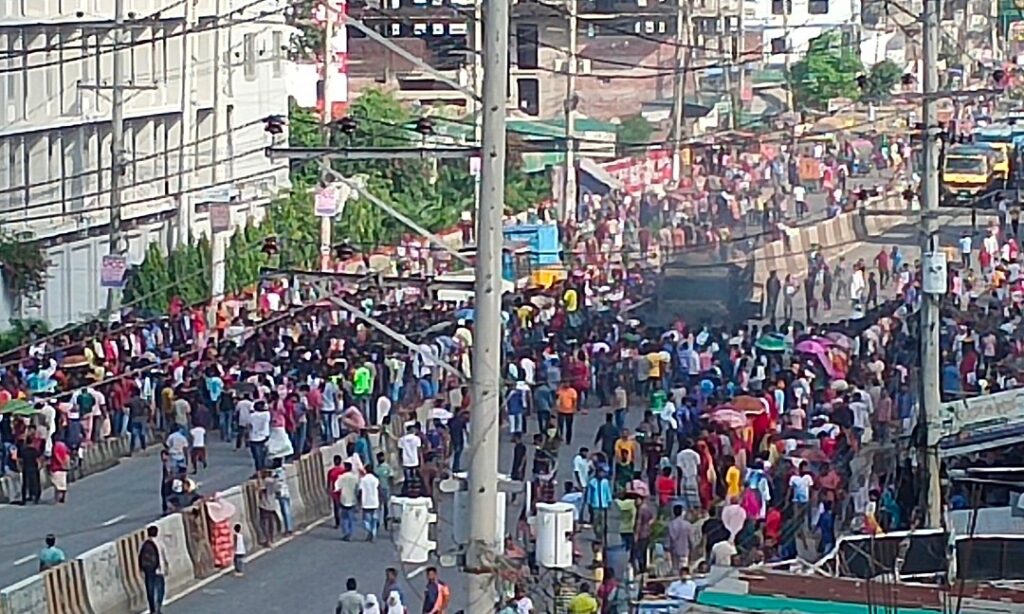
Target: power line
[106, 48]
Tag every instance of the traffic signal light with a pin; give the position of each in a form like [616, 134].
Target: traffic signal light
[274, 124]
[270, 247]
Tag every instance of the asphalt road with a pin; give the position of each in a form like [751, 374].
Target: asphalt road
[103, 507]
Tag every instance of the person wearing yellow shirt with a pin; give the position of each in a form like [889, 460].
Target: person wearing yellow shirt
[583, 602]
[626, 447]
[733, 481]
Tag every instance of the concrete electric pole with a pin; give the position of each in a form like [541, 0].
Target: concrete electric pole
[787, 50]
[682, 62]
[570, 190]
[486, 364]
[326, 222]
[932, 261]
[116, 147]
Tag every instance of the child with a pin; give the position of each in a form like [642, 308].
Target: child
[198, 447]
[240, 551]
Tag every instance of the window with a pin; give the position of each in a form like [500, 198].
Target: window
[249, 61]
[529, 96]
[526, 47]
[778, 45]
[278, 55]
[817, 7]
[156, 56]
[780, 7]
[53, 69]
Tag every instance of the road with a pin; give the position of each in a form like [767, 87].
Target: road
[312, 568]
[103, 507]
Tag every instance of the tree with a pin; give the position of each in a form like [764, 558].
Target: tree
[829, 70]
[633, 133]
[880, 80]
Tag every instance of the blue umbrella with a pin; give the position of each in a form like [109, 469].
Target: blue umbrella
[464, 314]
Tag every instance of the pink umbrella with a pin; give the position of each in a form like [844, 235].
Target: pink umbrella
[810, 346]
[840, 340]
[729, 417]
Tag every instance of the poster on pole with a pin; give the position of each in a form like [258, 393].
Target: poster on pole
[112, 271]
[220, 217]
[326, 204]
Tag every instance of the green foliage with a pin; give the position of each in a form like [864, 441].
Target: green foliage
[20, 332]
[184, 273]
[633, 133]
[431, 194]
[882, 77]
[307, 42]
[23, 266]
[304, 130]
[828, 71]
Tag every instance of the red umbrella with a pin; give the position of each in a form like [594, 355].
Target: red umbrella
[729, 417]
[748, 404]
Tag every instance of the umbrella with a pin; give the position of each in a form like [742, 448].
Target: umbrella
[76, 361]
[464, 314]
[841, 340]
[771, 343]
[811, 455]
[840, 385]
[18, 407]
[810, 346]
[728, 417]
[263, 367]
[748, 404]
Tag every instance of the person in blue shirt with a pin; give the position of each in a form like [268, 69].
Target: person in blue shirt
[543, 401]
[50, 556]
[827, 527]
[950, 381]
[574, 497]
[599, 499]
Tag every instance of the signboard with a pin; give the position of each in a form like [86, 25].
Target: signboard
[220, 217]
[112, 271]
[326, 204]
[991, 410]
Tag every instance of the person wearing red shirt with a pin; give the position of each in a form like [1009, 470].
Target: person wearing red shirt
[665, 486]
[333, 474]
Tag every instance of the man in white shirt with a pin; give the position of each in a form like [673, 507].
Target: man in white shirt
[800, 200]
[177, 449]
[722, 553]
[259, 434]
[409, 445]
[369, 500]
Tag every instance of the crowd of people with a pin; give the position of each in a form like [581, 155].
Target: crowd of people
[717, 445]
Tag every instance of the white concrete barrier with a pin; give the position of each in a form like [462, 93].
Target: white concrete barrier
[105, 581]
[25, 597]
[175, 544]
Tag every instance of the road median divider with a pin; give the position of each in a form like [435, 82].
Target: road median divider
[834, 237]
[107, 578]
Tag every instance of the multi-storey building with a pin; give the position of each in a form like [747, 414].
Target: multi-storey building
[788, 26]
[439, 32]
[625, 51]
[200, 77]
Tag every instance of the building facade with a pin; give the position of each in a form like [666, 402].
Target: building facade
[200, 76]
[788, 26]
[626, 52]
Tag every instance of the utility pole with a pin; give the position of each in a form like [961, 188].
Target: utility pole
[116, 147]
[931, 258]
[786, 6]
[679, 100]
[486, 363]
[186, 153]
[741, 59]
[725, 57]
[325, 129]
[570, 190]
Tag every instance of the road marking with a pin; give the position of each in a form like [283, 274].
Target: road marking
[113, 521]
[24, 559]
[252, 557]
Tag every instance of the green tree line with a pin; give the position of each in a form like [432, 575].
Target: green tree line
[433, 194]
